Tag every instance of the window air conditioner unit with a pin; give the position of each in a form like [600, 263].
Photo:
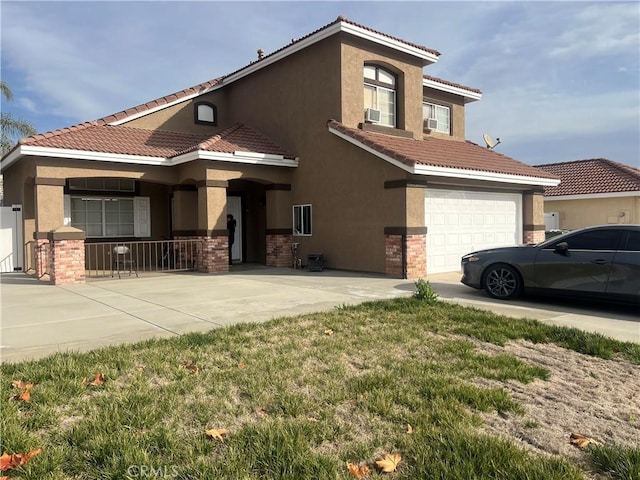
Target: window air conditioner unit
[431, 123]
[372, 115]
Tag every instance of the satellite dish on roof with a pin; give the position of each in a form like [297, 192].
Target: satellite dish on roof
[489, 141]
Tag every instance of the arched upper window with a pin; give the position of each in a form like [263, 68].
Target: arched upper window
[205, 112]
[379, 95]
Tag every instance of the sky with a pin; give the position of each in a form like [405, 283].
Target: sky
[560, 80]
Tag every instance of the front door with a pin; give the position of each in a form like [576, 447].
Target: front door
[234, 207]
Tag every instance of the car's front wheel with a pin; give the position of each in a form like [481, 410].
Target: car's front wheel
[502, 281]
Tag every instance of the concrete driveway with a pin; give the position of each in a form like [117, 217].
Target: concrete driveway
[38, 319]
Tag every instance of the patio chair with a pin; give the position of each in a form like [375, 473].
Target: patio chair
[121, 261]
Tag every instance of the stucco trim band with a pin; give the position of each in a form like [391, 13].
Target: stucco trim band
[405, 230]
[53, 182]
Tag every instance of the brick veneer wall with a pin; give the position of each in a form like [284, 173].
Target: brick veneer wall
[279, 250]
[393, 251]
[416, 256]
[213, 257]
[533, 236]
[67, 262]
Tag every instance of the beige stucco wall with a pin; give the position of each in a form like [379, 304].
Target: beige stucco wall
[354, 54]
[597, 211]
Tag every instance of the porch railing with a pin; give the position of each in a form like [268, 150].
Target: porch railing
[110, 259]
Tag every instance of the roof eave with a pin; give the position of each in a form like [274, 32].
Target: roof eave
[469, 95]
[254, 158]
[427, 57]
[589, 196]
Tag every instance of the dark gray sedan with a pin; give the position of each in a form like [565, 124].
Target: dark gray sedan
[596, 262]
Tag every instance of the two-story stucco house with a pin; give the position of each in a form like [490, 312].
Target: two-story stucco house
[337, 142]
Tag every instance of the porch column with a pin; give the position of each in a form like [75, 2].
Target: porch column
[279, 225]
[533, 216]
[406, 241]
[212, 226]
[67, 256]
[48, 213]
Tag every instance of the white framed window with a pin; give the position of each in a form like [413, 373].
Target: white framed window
[205, 112]
[107, 217]
[302, 220]
[380, 93]
[440, 113]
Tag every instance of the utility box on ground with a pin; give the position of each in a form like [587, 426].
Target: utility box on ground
[315, 262]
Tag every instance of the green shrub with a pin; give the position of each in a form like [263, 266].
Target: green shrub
[425, 292]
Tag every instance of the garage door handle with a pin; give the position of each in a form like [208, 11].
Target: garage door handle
[600, 262]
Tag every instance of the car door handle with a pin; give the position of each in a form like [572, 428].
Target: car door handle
[600, 261]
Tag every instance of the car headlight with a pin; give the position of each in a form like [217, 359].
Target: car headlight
[470, 258]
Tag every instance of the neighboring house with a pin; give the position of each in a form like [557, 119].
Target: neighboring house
[337, 142]
[592, 192]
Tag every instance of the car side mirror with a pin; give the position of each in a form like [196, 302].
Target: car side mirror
[562, 248]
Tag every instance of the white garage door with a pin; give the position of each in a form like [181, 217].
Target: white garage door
[459, 222]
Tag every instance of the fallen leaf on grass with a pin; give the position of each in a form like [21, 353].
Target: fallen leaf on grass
[21, 385]
[8, 462]
[581, 441]
[191, 367]
[25, 396]
[409, 428]
[241, 364]
[358, 471]
[328, 331]
[96, 382]
[262, 411]
[217, 433]
[389, 462]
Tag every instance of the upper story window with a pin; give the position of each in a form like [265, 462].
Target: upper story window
[379, 96]
[205, 113]
[436, 117]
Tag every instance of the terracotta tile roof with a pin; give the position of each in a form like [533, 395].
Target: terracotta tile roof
[437, 152]
[596, 175]
[123, 114]
[118, 140]
[240, 138]
[157, 143]
[451, 84]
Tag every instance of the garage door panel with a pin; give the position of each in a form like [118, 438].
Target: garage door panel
[459, 222]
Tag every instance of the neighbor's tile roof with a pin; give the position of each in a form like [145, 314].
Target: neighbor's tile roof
[436, 152]
[157, 143]
[596, 175]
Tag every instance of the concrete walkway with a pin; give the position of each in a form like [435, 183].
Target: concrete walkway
[38, 319]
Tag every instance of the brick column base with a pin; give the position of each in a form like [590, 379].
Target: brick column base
[415, 256]
[533, 236]
[393, 251]
[213, 257]
[66, 256]
[279, 250]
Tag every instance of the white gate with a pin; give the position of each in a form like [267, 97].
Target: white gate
[11, 244]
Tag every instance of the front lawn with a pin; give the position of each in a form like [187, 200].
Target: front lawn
[298, 398]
